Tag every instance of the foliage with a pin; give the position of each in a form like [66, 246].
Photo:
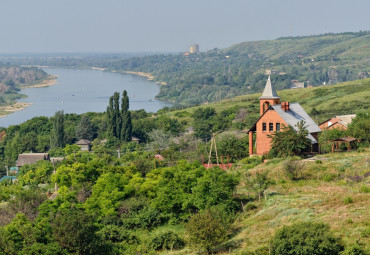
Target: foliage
[327, 136]
[57, 138]
[206, 230]
[75, 231]
[289, 142]
[258, 182]
[85, 129]
[119, 120]
[306, 238]
[360, 127]
[293, 169]
[166, 240]
[354, 249]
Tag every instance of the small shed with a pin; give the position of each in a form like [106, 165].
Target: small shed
[338, 142]
[84, 144]
[31, 158]
[135, 139]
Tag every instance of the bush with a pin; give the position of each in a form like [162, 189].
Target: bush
[353, 250]
[166, 240]
[365, 189]
[293, 169]
[348, 200]
[206, 230]
[250, 206]
[306, 238]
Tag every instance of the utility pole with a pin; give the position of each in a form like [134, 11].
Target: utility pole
[7, 171]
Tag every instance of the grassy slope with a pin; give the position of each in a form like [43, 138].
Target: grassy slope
[311, 199]
[345, 98]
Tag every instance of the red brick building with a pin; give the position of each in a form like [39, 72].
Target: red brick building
[273, 115]
[339, 122]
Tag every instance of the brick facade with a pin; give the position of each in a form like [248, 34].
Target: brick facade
[263, 142]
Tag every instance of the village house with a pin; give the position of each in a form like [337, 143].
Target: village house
[273, 115]
[31, 158]
[84, 144]
[339, 122]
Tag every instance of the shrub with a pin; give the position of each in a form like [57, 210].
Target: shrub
[328, 177]
[166, 240]
[293, 169]
[348, 200]
[306, 238]
[250, 206]
[353, 250]
[365, 189]
[206, 230]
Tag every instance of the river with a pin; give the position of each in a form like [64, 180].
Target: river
[84, 90]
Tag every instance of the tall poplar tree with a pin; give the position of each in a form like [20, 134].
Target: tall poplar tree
[57, 138]
[126, 131]
[119, 120]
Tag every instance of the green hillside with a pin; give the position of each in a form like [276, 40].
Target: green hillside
[239, 69]
[320, 102]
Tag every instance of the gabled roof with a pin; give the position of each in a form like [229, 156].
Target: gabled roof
[31, 158]
[344, 120]
[269, 92]
[83, 142]
[295, 114]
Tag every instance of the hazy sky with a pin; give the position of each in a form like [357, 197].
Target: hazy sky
[167, 25]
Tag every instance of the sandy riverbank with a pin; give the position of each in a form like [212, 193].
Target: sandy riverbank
[149, 76]
[5, 110]
[98, 68]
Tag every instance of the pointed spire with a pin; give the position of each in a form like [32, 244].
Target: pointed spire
[269, 92]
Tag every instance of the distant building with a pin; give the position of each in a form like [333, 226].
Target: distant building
[273, 115]
[297, 85]
[84, 144]
[135, 139]
[339, 122]
[194, 48]
[31, 158]
[269, 72]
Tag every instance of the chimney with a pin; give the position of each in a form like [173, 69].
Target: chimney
[285, 106]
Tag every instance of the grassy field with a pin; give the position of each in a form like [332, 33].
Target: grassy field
[345, 98]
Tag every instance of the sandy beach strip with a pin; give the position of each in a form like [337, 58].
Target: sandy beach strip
[51, 80]
[149, 76]
[5, 110]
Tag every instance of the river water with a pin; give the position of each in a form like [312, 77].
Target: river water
[84, 90]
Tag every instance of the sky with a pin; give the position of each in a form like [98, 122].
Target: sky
[49, 26]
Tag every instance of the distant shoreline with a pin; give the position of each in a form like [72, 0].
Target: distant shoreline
[5, 110]
[18, 106]
[149, 76]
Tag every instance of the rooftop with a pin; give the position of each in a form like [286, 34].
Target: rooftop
[269, 92]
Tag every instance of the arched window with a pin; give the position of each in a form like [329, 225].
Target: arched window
[266, 105]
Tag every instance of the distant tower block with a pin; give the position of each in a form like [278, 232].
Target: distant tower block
[194, 48]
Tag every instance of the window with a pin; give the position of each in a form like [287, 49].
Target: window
[277, 127]
[263, 126]
[271, 127]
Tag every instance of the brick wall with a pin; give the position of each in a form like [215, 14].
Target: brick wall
[263, 142]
